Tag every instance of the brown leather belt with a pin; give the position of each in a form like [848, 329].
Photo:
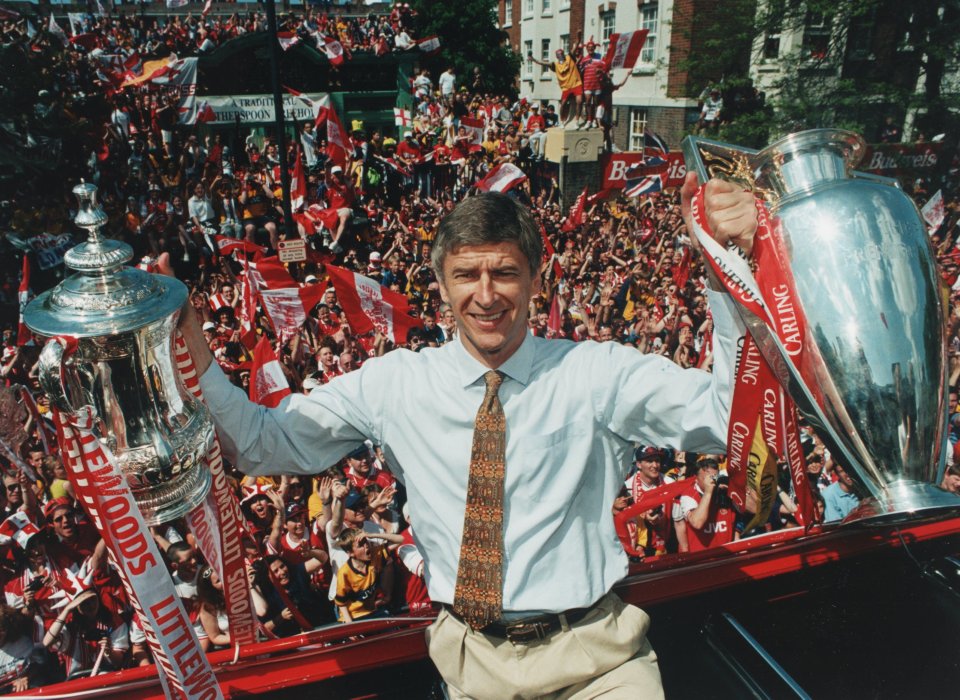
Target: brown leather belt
[529, 629]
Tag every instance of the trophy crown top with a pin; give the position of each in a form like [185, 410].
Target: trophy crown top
[106, 297]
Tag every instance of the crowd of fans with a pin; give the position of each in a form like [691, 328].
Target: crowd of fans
[338, 546]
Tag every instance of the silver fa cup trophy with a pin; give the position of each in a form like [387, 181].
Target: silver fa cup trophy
[873, 380]
[124, 320]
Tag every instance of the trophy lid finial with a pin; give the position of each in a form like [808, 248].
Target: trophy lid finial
[97, 254]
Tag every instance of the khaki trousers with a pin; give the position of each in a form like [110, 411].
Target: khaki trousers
[606, 654]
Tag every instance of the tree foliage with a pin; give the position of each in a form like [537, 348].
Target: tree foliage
[469, 37]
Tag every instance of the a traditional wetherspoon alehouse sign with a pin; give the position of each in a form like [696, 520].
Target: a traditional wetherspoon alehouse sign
[259, 108]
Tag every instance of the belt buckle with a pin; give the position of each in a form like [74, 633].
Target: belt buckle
[526, 632]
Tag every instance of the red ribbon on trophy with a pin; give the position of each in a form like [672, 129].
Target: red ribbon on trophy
[104, 493]
[763, 417]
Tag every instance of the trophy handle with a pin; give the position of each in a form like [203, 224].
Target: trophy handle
[53, 372]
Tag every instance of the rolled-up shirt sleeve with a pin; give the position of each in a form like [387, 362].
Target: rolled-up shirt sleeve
[654, 401]
[304, 434]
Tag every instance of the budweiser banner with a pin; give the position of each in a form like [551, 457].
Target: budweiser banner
[901, 159]
[615, 166]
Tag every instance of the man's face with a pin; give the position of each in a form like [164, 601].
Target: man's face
[705, 475]
[843, 477]
[64, 523]
[326, 357]
[260, 507]
[605, 334]
[489, 288]
[12, 487]
[186, 564]
[649, 468]
[361, 464]
[35, 459]
[295, 526]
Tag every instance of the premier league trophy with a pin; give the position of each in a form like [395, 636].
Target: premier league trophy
[124, 321]
[873, 377]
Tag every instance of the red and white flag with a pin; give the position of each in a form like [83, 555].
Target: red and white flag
[248, 312]
[287, 308]
[228, 246]
[316, 215]
[206, 8]
[268, 384]
[575, 215]
[502, 178]
[298, 185]
[337, 144]
[219, 301]
[369, 306]
[474, 127]
[205, 113]
[315, 106]
[24, 337]
[269, 273]
[402, 117]
[625, 49]
[934, 211]
[333, 49]
[57, 31]
[287, 40]
[429, 44]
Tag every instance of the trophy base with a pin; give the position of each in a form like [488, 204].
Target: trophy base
[903, 500]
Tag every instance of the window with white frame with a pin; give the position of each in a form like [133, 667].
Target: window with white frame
[771, 46]
[547, 7]
[528, 8]
[608, 20]
[544, 55]
[649, 20]
[507, 12]
[565, 43]
[816, 36]
[527, 53]
[638, 124]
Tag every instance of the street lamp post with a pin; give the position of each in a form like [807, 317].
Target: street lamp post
[279, 116]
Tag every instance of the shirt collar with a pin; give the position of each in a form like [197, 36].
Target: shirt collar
[517, 367]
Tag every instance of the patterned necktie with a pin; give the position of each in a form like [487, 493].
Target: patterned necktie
[478, 597]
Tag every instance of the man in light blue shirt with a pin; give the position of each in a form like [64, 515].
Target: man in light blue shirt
[839, 498]
[573, 414]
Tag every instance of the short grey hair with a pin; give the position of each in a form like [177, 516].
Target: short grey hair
[490, 217]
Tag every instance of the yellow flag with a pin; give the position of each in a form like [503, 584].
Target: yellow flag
[761, 477]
